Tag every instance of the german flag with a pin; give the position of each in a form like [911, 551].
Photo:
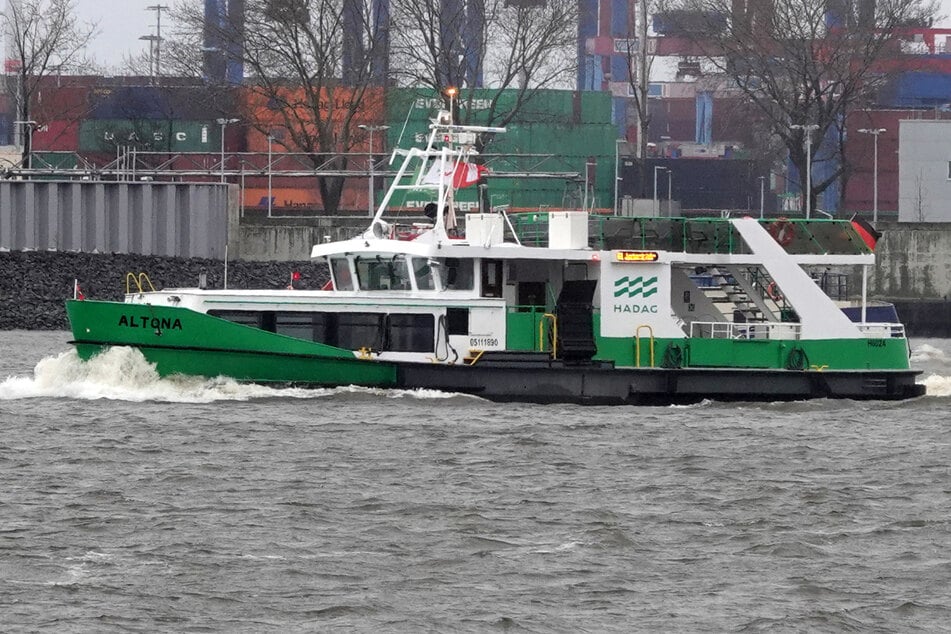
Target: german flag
[866, 231]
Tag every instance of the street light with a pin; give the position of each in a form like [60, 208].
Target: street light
[654, 208]
[158, 8]
[451, 93]
[808, 130]
[30, 127]
[371, 129]
[224, 123]
[617, 170]
[874, 132]
[762, 195]
[670, 180]
[270, 138]
[151, 39]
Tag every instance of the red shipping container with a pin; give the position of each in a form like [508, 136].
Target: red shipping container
[56, 136]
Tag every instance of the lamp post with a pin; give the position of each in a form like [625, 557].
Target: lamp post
[617, 170]
[874, 132]
[670, 189]
[808, 130]
[30, 127]
[371, 129]
[762, 195]
[451, 93]
[654, 208]
[224, 123]
[158, 8]
[270, 138]
[151, 39]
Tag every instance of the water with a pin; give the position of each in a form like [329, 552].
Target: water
[129, 503]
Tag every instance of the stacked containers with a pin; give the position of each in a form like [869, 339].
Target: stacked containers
[573, 128]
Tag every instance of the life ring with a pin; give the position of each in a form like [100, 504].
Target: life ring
[783, 231]
[773, 291]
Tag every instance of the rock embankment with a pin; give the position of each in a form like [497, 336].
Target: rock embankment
[35, 284]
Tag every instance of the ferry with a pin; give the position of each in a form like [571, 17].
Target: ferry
[544, 307]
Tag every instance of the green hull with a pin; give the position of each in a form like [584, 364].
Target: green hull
[182, 341]
[776, 354]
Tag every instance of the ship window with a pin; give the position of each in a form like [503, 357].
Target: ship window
[309, 326]
[424, 274]
[457, 321]
[359, 330]
[491, 278]
[340, 268]
[244, 317]
[383, 273]
[410, 333]
[458, 274]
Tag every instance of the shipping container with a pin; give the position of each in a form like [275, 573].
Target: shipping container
[62, 103]
[542, 106]
[695, 183]
[106, 135]
[916, 90]
[339, 105]
[675, 119]
[860, 154]
[57, 136]
[53, 160]
[194, 136]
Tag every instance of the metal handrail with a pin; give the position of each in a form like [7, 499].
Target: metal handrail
[554, 334]
[746, 330]
[637, 345]
[138, 281]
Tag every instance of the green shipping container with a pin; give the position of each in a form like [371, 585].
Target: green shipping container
[148, 135]
[195, 136]
[106, 135]
[542, 106]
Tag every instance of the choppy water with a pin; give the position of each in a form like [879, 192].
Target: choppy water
[129, 503]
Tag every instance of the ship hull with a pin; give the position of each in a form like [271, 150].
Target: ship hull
[181, 341]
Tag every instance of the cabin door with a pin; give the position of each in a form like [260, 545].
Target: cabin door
[575, 320]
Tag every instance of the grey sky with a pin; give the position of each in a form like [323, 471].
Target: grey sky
[123, 22]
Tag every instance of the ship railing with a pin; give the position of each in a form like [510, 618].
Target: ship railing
[745, 330]
[882, 330]
[781, 330]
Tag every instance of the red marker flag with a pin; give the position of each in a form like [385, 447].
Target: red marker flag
[866, 231]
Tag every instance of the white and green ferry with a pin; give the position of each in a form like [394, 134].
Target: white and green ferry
[560, 306]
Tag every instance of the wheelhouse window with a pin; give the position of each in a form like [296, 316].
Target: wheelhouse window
[340, 268]
[457, 274]
[383, 273]
[423, 273]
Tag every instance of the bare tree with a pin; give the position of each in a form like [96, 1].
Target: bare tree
[43, 38]
[516, 46]
[308, 86]
[803, 63]
[639, 64]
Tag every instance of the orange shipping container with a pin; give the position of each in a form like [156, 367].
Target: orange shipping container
[361, 106]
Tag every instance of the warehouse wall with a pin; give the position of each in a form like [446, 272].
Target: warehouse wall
[171, 219]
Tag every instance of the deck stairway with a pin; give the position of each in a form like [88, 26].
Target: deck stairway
[741, 294]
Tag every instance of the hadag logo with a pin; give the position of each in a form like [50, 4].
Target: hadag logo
[634, 287]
